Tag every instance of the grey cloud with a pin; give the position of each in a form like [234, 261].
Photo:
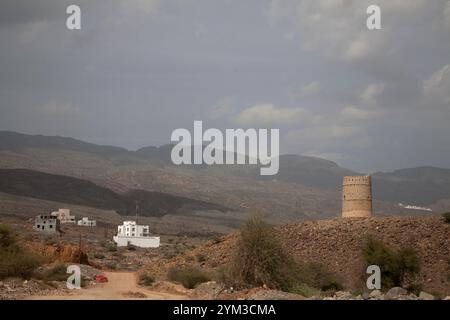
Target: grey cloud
[139, 69]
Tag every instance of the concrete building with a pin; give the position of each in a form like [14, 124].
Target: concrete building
[85, 222]
[131, 233]
[64, 216]
[46, 223]
[357, 197]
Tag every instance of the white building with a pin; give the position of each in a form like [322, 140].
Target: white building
[85, 222]
[64, 216]
[137, 235]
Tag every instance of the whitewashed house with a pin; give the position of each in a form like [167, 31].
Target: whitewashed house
[64, 216]
[85, 222]
[131, 233]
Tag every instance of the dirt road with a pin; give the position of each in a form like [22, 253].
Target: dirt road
[120, 286]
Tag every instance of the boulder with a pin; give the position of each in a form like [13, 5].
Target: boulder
[425, 296]
[375, 294]
[343, 295]
[366, 295]
[396, 292]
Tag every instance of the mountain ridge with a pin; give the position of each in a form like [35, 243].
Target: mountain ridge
[121, 170]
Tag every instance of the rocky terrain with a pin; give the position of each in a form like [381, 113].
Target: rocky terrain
[337, 244]
[306, 188]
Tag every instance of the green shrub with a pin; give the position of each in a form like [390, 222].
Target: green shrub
[189, 276]
[111, 265]
[259, 259]
[8, 239]
[415, 288]
[200, 257]
[146, 279]
[55, 273]
[217, 240]
[14, 260]
[394, 265]
[317, 276]
[18, 264]
[304, 290]
[131, 247]
[446, 217]
[99, 256]
[111, 247]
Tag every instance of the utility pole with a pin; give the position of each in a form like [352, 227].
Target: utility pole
[79, 249]
[137, 211]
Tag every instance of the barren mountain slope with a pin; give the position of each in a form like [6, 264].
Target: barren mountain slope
[337, 244]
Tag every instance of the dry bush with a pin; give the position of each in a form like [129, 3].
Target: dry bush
[259, 259]
[14, 260]
[395, 265]
[446, 217]
[189, 276]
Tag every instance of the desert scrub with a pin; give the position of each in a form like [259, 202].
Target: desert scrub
[200, 258]
[111, 247]
[395, 265]
[189, 276]
[111, 266]
[446, 217]
[316, 275]
[146, 279]
[57, 272]
[217, 240]
[259, 259]
[14, 260]
[99, 255]
[304, 290]
[131, 247]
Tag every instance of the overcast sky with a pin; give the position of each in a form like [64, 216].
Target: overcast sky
[138, 69]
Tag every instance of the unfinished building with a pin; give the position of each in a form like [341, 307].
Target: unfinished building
[46, 223]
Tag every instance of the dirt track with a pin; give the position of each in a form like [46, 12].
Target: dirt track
[121, 286]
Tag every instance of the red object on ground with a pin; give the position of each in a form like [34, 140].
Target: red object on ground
[101, 278]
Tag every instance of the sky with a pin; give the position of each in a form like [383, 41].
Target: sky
[138, 69]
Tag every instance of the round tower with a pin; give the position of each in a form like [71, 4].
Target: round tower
[357, 197]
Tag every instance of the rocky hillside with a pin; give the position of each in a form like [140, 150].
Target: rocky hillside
[69, 190]
[337, 244]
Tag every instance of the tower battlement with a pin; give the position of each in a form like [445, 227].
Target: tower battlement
[357, 197]
[356, 180]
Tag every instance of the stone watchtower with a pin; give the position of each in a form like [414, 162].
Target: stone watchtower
[357, 197]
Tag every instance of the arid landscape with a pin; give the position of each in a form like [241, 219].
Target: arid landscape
[236, 159]
[197, 213]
